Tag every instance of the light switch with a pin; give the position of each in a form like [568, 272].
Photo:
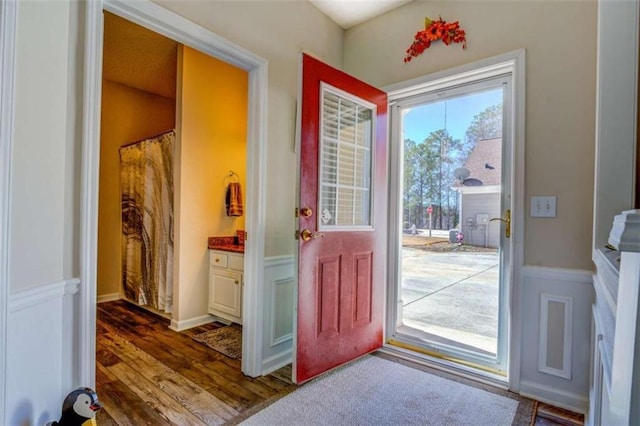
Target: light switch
[543, 206]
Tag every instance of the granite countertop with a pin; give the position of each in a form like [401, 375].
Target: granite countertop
[225, 244]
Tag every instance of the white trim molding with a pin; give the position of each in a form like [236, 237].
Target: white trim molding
[8, 19]
[582, 276]
[567, 331]
[176, 27]
[41, 294]
[625, 233]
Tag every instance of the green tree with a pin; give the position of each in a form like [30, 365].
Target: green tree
[428, 175]
[485, 125]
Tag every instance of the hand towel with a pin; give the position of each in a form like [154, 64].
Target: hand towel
[234, 200]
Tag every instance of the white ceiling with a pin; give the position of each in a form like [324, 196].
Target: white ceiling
[348, 13]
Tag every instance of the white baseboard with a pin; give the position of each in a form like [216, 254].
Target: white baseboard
[109, 297]
[191, 322]
[277, 361]
[556, 397]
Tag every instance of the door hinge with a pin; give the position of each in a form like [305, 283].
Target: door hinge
[297, 212]
[297, 234]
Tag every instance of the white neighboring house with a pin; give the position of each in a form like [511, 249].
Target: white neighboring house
[480, 194]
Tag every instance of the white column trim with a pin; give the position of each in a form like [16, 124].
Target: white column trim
[89, 188]
[8, 19]
[176, 27]
[625, 233]
[517, 219]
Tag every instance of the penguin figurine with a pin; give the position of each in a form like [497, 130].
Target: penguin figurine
[79, 408]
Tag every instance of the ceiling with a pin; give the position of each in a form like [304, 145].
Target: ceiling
[348, 13]
[139, 58]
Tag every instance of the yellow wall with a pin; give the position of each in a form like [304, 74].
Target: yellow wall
[212, 133]
[128, 115]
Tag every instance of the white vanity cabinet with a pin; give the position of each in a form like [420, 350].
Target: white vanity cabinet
[225, 285]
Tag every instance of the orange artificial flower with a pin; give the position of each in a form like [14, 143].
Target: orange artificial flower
[448, 32]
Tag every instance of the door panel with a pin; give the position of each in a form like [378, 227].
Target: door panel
[343, 220]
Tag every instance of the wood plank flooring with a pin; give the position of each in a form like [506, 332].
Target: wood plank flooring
[147, 374]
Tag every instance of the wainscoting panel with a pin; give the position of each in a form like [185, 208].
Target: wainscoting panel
[42, 335]
[556, 336]
[279, 281]
[555, 346]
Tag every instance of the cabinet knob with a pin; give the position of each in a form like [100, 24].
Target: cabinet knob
[217, 260]
[237, 282]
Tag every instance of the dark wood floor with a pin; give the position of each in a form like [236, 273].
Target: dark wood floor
[150, 375]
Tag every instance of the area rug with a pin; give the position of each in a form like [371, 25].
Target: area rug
[377, 391]
[226, 340]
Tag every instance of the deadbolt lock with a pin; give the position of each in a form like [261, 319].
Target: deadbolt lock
[306, 212]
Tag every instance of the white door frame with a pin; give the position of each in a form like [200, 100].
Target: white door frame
[514, 63]
[171, 25]
[8, 16]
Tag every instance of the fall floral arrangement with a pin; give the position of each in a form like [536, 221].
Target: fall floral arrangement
[448, 32]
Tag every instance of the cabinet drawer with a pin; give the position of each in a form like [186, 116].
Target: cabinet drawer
[236, 262]
[219, 259]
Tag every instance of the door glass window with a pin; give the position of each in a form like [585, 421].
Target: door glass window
[345, 161]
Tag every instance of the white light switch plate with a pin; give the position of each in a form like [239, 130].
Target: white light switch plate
[543, 206]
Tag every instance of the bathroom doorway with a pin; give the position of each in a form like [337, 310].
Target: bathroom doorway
[252, 191]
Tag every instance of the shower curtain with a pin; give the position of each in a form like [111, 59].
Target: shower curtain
[146, 176]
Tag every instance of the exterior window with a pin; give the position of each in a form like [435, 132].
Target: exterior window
[345, 164]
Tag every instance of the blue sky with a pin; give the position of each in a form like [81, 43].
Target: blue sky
[420, 121]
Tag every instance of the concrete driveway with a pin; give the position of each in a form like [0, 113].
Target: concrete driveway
[451, 296]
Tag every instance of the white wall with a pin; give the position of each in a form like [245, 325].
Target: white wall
[44, 244]
[617, 114]
[39, 153]
[560, 43]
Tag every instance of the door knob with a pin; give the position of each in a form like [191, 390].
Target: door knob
[507, 222]
[306, 235]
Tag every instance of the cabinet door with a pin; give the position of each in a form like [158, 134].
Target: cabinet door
[226, 292]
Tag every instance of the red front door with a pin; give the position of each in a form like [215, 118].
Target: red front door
[342, 219]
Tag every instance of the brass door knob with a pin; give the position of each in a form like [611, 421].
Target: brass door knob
[306, 212]
[306, 235]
